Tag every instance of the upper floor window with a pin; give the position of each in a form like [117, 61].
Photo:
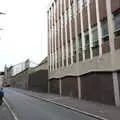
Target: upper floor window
[84, 3]
[117, 24]
[95, 36]
[87, 43]
[80, 42]
[104, 26]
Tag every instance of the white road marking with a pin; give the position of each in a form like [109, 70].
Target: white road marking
[12, 112]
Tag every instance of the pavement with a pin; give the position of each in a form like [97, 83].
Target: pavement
[5, 114]
[26, 107]
[97, 110]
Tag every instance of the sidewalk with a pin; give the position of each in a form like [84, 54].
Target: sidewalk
[5, 113]
[105, 111]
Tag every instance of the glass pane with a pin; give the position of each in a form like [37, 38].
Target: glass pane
[117, 21]
[95, 34]
[104, 28]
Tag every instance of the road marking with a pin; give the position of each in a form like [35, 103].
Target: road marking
[9, 108]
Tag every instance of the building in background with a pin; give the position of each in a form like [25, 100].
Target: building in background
[38, 77]
[25, 76]
[1, 79]
[84, 49]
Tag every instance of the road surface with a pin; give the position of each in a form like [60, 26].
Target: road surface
[29, 108]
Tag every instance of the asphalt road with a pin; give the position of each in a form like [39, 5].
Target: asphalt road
[29, 108]
[5, 113]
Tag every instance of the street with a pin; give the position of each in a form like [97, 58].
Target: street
[29, 108]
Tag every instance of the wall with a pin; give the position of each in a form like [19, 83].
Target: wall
[69, 86]
[54, 86]
[96, 64]
[119, 80]
[38, 81]
[20, 80]
[98, 86]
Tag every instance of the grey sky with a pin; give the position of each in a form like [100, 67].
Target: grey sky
[25, 31]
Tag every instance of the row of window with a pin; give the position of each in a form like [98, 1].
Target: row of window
[105, 37]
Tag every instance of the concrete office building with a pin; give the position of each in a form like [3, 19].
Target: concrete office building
[84, 49]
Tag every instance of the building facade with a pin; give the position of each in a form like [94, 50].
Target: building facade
[84, 49]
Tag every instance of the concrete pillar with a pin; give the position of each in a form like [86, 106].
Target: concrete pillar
[116, 89]
[60, 87]
[62, 45]
[55, 56]
[79, 87]
[66, 42]
[59, 43]
[89, 28]
[58, 30]
[99, 28]
[111, 30]
[48, 86]
[49, 39]
[82, 29]
[70, 27]
[76, 30]
[52, 55]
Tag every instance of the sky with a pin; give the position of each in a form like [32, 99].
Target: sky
[24, 34]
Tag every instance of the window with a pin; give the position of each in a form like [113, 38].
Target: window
[69, 53]
[105, 30]
[63, 19]
[74, 50]
[95, 36]
[87, 40]
[74, 44]
[117, 24]
[72, 11]
[78, 5]
[80, 42]
[84, 3]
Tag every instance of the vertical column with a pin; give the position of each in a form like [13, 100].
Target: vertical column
[52, 56]
[76, 30]
[89, 27]
[58, 34]
[111, 30]
[50, 40]
[99, 28]
[79, 87]
[70, 27]
[62, 44]
[116, 88]
[55, 35]
[48, 86]
[60, 87]
[66, 38]
[49, 44]
[82, 29]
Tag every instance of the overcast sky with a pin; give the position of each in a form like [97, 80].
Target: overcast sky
[25, 31]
